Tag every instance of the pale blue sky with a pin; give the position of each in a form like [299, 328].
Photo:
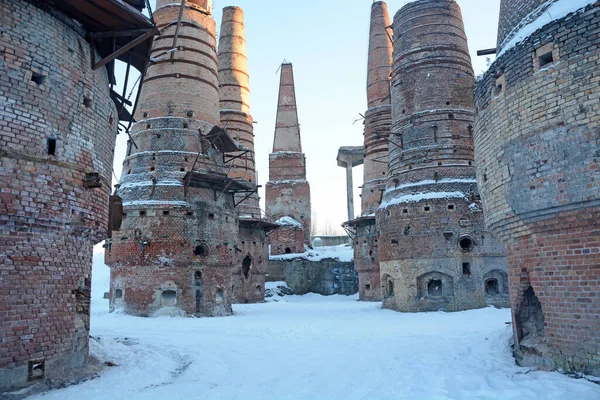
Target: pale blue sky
[327, 43]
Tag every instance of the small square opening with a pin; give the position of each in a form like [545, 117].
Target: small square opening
[451, 207]
[405, 211]
[166, 212]
[87, 102]
[546, 59]
[38, 79]
[466, 268]
[142, 213]
[426, 208]
[36, 370]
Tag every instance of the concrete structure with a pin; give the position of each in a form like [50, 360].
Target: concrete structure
[57, 133]
[325, 277]
[178, 245]
[434, 251]
[234, 89]
[378, 120]
[349, 157]
[288, 191]
[537, 152]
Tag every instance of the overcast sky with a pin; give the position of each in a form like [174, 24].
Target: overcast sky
[327, 42]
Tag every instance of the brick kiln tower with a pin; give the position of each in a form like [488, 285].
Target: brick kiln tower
[378, 120]
[434, 252]
[176, 250]
[537, 148]
[234, 89]
[288, 191]
[57, 137]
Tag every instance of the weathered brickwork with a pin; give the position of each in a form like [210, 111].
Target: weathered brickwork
[57, 124]
[434, 251]
[366, 259]
[378, 120]
[288, 192]
[537, 146]
[176, 249]
[516, 13]
[234, 92]
[325, 277]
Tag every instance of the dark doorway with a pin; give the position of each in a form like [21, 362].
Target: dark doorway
[434, 288]
[246, 263]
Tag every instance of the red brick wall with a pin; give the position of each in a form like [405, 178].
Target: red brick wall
[538, 175]
[48, 220]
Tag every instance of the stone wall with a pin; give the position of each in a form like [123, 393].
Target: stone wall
[57, 125]
[324, 277]
[248, 284]
[537, 147]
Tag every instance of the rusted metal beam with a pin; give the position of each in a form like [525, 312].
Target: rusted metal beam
[486, 52]
[125, 49]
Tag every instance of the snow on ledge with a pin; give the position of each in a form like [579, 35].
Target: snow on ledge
[289, 221]
[556, 11]
[414, 198]
[343, 253]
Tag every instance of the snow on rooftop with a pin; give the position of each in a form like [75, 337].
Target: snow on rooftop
[289, 221]
[430, 182]
[343, 253]
[155, 203]
[288, 182]
[556, 11]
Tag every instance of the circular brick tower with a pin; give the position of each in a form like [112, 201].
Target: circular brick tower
[57, 137]
[434, 252]
[378, 120]
[176, 248]
[288, 192]
[537, 147]
[234, 89]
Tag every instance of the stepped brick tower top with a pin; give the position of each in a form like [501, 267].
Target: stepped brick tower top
[287, 128]
[378, 115]
[288, 192]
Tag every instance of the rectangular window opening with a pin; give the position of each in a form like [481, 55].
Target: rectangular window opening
[546, 59]
[466, 268]
[51, 146]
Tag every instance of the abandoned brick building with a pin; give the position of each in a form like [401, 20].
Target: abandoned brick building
[177, 248]
[58, 125]
[537, 147]
[434, 251]
[234, 88]
[288, 191]
[378, 119]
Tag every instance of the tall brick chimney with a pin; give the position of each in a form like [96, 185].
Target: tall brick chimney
[378, 119]
[175, 252]
[288, 191]
[434, 251]
[234, 90]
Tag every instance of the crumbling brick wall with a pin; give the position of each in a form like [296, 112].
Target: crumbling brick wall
[537, 149]
[57, 124]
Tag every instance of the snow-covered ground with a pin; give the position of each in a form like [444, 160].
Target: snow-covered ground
[312, 347]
